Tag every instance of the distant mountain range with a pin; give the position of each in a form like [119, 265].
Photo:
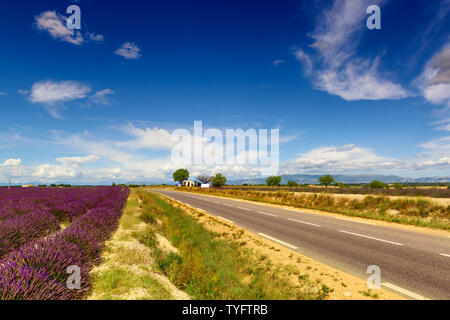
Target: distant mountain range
[361, 178]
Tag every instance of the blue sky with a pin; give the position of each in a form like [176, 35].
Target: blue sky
[98, 105]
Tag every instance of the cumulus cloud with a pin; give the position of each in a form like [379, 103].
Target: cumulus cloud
[69, 168]
[51, 92]
[11, 163]
[434, 82]
[55, 24]
[129, 51]
[147, 138]
[339, 159]
[334, 66]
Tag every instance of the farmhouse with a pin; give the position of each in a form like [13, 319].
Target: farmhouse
[188, 183]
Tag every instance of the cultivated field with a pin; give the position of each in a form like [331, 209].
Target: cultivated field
[421, 211]
[421, 191]
[46, 231]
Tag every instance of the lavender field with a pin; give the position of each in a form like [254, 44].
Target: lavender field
[36, 253]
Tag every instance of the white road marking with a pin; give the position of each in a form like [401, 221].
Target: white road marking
[267, 214]
[378, 239]
[445, 255]
[279, 241]
[350, 220]
[311, 224]
[243, 208]
[229, 205]
[201, 210]
[225, 219]
[404, 291]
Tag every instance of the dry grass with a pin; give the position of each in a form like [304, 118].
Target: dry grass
[217, 260]
[289, 264]
[126, 272]
[404, 210]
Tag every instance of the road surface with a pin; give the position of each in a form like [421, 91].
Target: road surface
[413, 263]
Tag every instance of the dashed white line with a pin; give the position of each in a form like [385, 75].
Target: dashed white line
[229, 205]
[267, 214]
[357, 221]
[445, 255]
[279, 241]
[225, 219]
[373, 238]
[243, 208]
[309, 223]
[404, 291]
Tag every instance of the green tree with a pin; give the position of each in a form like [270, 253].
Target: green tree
[291, 183]
[398, 185]
[375, 184]
[273, 181]
[326, 180]
[180, 175]
[340, 185]
[219, 180]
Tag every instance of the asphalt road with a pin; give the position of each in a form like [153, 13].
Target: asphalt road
[413, 263]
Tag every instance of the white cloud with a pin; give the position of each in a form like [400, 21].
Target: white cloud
[55, 24]
[101, 97]
[69, 168]
[11, 163]
[339, 159]
[434, 82]
[23, 92]
[277, 62]
[148, 138]
[96, 37]
[336, 68]
[50, 92]
[129, 51]
[77, 160]
[3, 93]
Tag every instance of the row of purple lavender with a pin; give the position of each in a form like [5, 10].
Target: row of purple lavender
[37, 268]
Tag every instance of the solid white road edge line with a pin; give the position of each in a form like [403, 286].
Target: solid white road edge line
[368, 237]
[404, 291]
[311, 224]
[267, 214]
[445, 255]
[279, 241]
[225, 219]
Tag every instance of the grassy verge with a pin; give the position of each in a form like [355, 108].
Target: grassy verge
[126, 272]
[419, 212]
[207, 266]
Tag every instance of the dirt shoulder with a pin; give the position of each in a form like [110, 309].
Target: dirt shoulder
[343, 285]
